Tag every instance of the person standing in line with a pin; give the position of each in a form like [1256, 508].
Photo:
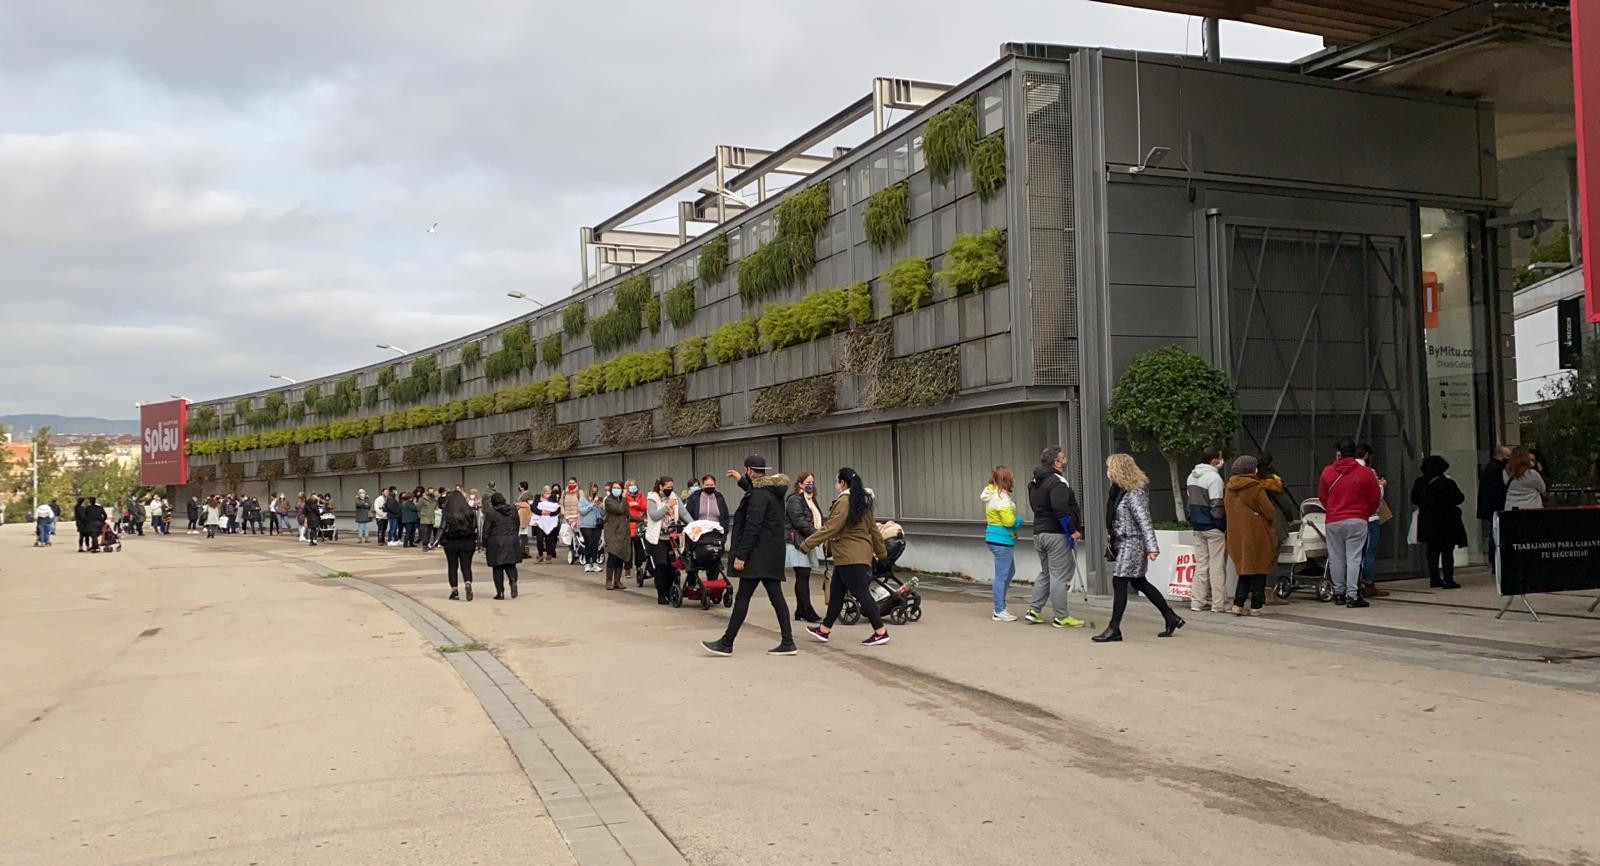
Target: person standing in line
[662, 510]
[94, 522]
[1209, 521]
[1439, 527]
[438, 518]
[570, 495]
[213, 515]
[1288, 514]
[637, 507]
[1055, 515]
[313, 515]
[1492, 496]
[1132, 546]
[801, 517]
[230, 515]
[55, 515]
[157, 513]
[136, 514]
[1252, 535]
[705, 502]
[458, 535]
[1349, 494]
[475, 500]
[1525, 487]
[427, 516]
[410, 519]
[853, 532]
[501, 547]
[547, 523]
[363, 516]
[524, 517]
[283, 512]
[591, 516]
[381, 515]
[1369, 555]
[396, 508]
[78, 519]
[617, 529]
[1001, 521]
[757, 552]
[192, 511]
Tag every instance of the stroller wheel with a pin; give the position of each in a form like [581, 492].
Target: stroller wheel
[1325, 589]
[727, 597]
[705, 600]
[675, 595]
[915, 613]
[850, 614]
[1284, 587]
[898, 615]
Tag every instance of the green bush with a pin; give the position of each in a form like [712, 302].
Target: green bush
[480, 405]
[589, 380]
[556, 389]
[713, 259]
[309, 396]
[386, 376]
[792, 252]
[519, 397]
[636, 368]
[652, 314]
[574, 318]
[471, 354]
[989, 165]
[691, 354]
[202, 421]
[297, 412]
[241, 410]
[952, 134]
[910, 284]
[885, 217]
[1175, 402]
[622, 324]
[858, 303]
[680, 304]
[517, 352]
[452, 380]
[550, 351]
[975, 261]
[815, 315]
[733, 341]
[370, 400]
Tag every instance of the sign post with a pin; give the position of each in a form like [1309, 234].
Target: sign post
[163, 443]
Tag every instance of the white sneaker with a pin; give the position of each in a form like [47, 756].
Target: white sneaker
[1004, 616]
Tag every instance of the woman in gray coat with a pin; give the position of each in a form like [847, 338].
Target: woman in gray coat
[618, 541]
[1132, 546]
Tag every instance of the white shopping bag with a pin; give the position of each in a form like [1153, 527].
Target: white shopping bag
[1411, 533]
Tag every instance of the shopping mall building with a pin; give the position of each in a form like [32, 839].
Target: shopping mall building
[1326, 239]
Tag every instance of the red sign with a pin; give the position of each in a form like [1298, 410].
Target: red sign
[1586, 100]
[163, 443]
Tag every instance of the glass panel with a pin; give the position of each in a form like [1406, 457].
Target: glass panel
[899, 162]
[991, 107]
[1455, 333]
[863, 186]
[916, 153]
[880, 172]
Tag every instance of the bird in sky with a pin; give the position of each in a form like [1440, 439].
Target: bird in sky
[433, 228]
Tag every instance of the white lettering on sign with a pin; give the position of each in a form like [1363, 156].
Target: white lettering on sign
[162, 437]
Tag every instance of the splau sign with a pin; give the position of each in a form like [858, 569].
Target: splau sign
[163, 448]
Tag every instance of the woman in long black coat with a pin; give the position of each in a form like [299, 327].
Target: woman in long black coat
[1439, 527]
[502, 549]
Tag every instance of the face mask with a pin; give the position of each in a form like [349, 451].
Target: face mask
[616, 491]
[666, 491]
[711, 489]
[572, 485]
[633, 488]
[811, 487]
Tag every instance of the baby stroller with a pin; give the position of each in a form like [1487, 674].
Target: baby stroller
[898, 601]
[575, 548]
[699, 560]
[328, 527]
[110, 540]
[1305, 551]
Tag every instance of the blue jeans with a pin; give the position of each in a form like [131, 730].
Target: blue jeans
[363, 528]
[394, 529]
[1369, 556]
[44, 531]
[1005, 568]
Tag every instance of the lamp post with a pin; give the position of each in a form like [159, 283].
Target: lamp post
[521, 297]
[180, 397]
[284, 378]
[395, 349]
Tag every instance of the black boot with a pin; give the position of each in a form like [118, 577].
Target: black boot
[469, 590]
[1174, 623]
[1110, 635]
[513, 587]
[455, 595]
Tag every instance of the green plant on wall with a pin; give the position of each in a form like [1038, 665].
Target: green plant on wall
[713, 259]
[989, 165]
[550, 351]
[924, 379]
[387, 376]
[680, 304]
[792, 252]
[793, 402]
[885, 217]
[858, 303]
[516, 348]
[910, 284]
[623, 323]
[652, 314]
[480, 405]
[735, 340]
[629, 429]
[1175, 402]
[310, 395]
[975, 261]
[550, 437]
[684, 418]
[691, 354]
[948, 144]
[297, 412]
[452, 380]
[574, 318]
[556, 388]
[471, 354]
[589, 380]
[370, 399]
[816, 315]
[519, 397]
[636, 368]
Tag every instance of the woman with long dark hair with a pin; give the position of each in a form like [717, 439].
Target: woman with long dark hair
[1132, 545]
[853, 535]
[459, 538]
[662, 511]
[618, 527]
[501, 547]
[801, 517]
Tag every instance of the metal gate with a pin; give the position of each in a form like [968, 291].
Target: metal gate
[1323, 337]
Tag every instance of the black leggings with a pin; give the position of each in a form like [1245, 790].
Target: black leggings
[459, 555]
[545, 542]
[501, 574]
[1441, 563]
[802, 593]
[856, 579]
[1253, 587]
[591, 545]
[1119, 604]
[741, 606]
[666, 575]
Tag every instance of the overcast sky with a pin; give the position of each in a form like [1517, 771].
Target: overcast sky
[195, 195]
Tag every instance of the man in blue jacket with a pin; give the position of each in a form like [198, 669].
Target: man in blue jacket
[1207, 519]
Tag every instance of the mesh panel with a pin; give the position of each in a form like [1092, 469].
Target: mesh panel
[1052, 263]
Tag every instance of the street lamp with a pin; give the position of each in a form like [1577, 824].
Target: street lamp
[396, 349]
[180, 397]
[284, 378]
[521, 297]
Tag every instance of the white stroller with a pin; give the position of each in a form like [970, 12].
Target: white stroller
[328, 527]
[1305, 551]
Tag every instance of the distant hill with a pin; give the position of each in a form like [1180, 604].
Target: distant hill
[21, 424]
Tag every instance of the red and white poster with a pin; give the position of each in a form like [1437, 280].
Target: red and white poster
[1180, 580]
[163, 443]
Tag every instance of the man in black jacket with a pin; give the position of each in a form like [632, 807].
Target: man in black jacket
[1492, 494]
[94, 522]
[757, 553]
[1055, 510]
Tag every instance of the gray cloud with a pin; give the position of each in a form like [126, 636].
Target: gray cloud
[199, 195]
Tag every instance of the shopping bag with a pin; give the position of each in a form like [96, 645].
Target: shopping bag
[566, 534]
[1411, 532]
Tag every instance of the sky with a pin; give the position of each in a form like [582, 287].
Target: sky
[194, 196]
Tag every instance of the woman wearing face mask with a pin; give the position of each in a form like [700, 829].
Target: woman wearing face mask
[638, 505]
[662, 510]
[547, 523]
[801, 517]
[618, 530]
[591, 516]
[1132, 545]
[853, 533]
[570, 496]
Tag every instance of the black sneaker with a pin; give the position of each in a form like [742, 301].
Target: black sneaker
[787, 648]
[717, 647]
[1338, 599]
[1357, 601]
[876, 639]
[817, 633]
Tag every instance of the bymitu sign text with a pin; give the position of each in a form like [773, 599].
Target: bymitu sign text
[163, 443]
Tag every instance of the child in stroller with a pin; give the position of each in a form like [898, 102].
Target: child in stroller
[110, 540]
[703, 541]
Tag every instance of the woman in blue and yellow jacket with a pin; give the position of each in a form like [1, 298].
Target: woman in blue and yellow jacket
[1000, 513]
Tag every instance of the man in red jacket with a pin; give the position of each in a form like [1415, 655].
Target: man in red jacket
[1349, 492]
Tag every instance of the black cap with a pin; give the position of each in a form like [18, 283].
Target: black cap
[756, 461]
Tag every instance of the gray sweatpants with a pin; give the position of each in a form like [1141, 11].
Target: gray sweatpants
[1055, 572]
[1347, 542]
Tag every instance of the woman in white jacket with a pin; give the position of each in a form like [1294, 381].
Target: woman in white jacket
[662, 510]
[1525, 487]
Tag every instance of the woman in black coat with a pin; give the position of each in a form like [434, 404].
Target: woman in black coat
[1439, 527]
[502, 549]
[458, 535]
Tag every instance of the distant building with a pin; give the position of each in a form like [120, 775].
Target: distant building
[124, 449]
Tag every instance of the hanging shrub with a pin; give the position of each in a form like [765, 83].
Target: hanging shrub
[816, 315]
[241, 410]
[369, 401]
[636, 368]
[910, 284]
[858, 303]
[735, 340]
[652, 314]
[420, 455]
[574, 318]
[480, 405]
[629, 429]
[713, 259]
[556, 388]
[792, 252]
[691, 354]
[297, 412]
[923, 379]
[387, 376]
[975, 261]
[622, 324]
[680, 304]
[885, 217]
[510, 443]
[589, 380]
[309, 396]
[952, 134]
[792, 402]
[550, 350]
[989, 165]
[452, 380]
[471, 354]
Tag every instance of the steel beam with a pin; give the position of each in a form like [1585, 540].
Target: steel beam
[1453, 18]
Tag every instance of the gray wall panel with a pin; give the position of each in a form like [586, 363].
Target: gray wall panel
[869, 452]
[647, 466]
[717, 459]
[400, 479]
[963, 451]
[1151, 260]
[447, 478]
[1152, 311]
[537, 473]
[480, 475]
[596, 470]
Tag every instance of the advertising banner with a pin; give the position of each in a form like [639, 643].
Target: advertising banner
[1586, 101]
[1548, 550]
[163, 443]
[1569, 333]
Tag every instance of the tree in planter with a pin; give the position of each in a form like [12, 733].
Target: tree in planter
[1567, 426]
[1174, 402]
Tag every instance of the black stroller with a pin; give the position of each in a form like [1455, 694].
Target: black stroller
[702, 577]
[898, 601]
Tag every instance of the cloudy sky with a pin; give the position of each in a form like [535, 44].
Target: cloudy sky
[195, 195]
